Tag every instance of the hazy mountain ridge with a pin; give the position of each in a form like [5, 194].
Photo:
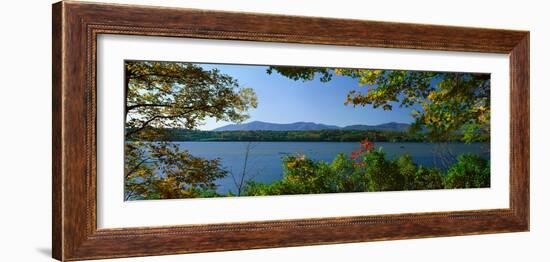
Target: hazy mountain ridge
[305, 126]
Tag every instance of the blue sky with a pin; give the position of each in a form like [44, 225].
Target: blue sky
[282, 100]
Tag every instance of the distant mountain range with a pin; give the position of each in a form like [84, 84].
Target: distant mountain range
[304, 126]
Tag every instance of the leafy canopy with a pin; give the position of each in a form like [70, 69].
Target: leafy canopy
[165, 94]
[442, 103]
[162, 95]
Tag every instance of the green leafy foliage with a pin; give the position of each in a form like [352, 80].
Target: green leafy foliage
[166, 94]
[426, 178]
[470, 171]
[161, 95]
[302, 73]
[443, 103]
[373, 172]
[163, 171]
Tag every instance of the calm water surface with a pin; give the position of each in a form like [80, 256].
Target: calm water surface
[265, 165]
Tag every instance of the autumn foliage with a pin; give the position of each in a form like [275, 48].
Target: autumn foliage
[372, 171]
[161, 95]
[165, 96]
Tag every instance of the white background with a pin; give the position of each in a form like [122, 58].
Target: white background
[25, 136]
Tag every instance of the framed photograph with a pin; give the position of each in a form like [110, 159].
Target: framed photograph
[182, 130]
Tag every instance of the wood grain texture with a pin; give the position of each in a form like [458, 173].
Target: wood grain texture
[57, 202]
[519, 129]
[76, 26]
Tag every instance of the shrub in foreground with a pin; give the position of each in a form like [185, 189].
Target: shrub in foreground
[470, 171]
[371, 171]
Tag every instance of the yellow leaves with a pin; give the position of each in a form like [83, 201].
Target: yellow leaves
[293, 162]
[482, 109]
[363, 81]
[431, 95]
[484, 117]
[186, 93]
[248, 98]
[161, 170]
[291, 165]
[369, 77]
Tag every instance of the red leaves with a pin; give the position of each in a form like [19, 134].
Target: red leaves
[365, 146]
[355, 154]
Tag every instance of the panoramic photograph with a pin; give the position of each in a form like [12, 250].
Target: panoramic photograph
[199, 130]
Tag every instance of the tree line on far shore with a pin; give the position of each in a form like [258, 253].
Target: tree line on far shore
[180, 135]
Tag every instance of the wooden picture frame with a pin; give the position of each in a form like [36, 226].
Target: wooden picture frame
[76, 26]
